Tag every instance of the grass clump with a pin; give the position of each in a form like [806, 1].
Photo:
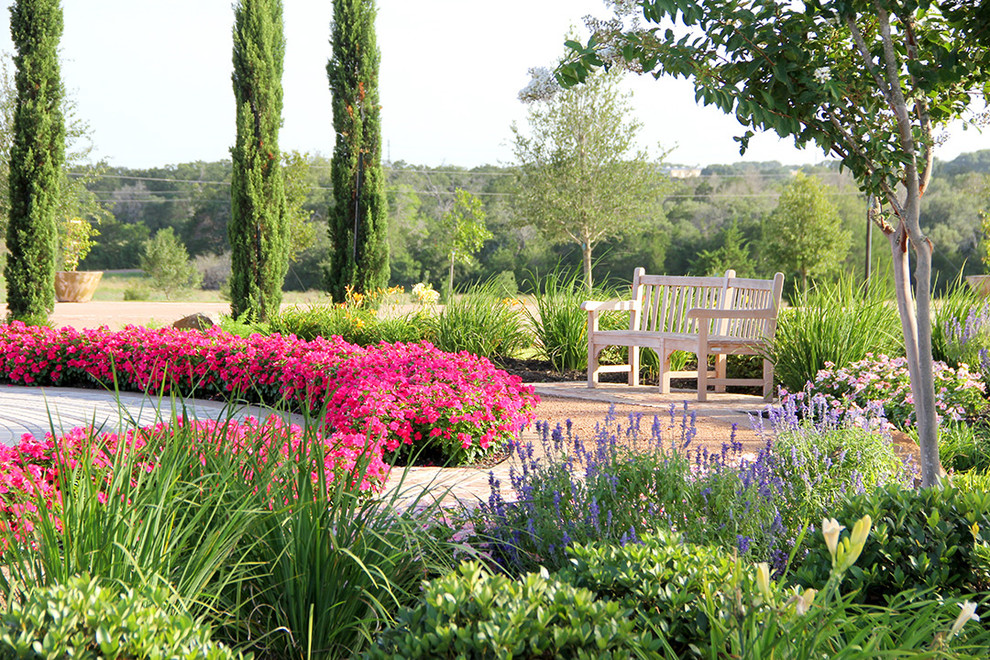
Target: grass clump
[561, 326]
[480, 321]
[837, 324]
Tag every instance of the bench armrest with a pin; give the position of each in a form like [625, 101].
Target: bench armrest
[765, 313]
[611, 306]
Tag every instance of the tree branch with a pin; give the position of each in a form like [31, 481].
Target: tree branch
[864, 53]
[921, 108]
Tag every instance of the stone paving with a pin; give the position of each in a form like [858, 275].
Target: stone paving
[38, 410]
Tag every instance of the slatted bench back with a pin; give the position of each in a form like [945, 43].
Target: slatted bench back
[666, 300]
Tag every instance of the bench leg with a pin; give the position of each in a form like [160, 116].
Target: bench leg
[633, 366]
[702, 376]
[664, 356]
[720, 369]
[592, 364]
[767, 381]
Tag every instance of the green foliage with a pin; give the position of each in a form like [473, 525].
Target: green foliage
[330, 571]
[136, 292]
[167, 263]
[259, 223]
[471, 614]
[922, 539]
[560, 325]
[293, 569]
[670, 585]
[953, 312]
[36, 158]
[580, 179]
[838, 323]
[480, 321]
[358, 218]
[354, 323]
[141, 529]
[734, 253]
[965, 446]
[462, 232]
[804, 234]
[296, 168]
[82, 618]
[857, 457]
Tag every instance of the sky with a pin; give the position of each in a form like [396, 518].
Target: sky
[152, 79]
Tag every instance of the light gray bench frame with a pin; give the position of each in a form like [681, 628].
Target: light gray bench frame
[717, 316]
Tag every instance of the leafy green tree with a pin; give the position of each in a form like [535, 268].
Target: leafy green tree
[462, 232]
[732, 253]
[580, 180]
[166, 262]
[36, 157]
[358, 218]
[259, 223]
[301, 232]
[865, 80]
[804, 233]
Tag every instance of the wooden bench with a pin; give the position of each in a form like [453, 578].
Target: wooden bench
[717, 316]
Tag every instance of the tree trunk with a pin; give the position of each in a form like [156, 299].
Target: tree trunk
[917, 329]
[450, 280]
[586, 253]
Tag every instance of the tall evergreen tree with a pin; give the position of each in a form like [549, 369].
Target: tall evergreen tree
[359, 216]
[259, 226]
[36, 158]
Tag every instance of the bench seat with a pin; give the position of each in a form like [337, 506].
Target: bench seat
[707, 316]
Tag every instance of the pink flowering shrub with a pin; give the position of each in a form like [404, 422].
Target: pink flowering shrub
[29, 471]
[884, 381]
[394, 394]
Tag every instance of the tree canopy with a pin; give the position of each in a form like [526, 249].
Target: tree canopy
[868, 81]
[581, 178]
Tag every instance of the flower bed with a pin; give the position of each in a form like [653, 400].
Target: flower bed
[30, 471]
[884, 381]
[392, 394]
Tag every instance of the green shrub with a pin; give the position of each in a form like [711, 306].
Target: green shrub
[355, 323]
[668, 583]
[84, 619]
[471, 614]
[922, 539]
[137, 292]
[166, 262]
[856, 458]
[839, 323]
[314, 577]
[480, 321]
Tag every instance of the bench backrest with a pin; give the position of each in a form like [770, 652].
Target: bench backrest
[666, 299]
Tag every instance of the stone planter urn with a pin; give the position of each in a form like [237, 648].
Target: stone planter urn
[76, 286]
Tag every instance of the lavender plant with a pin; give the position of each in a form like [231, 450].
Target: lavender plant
[649, 477]
[968, 338]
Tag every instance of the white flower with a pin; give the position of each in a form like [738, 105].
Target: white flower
[823, 74]
[763, 579]
[542, 86]
[968, 612]
[805, 601]
[830, 530]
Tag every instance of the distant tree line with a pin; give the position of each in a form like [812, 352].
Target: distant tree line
[707, 223]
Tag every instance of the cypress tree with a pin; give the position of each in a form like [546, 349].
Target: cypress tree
[258, 229]
[359, 217]
[36, 158]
